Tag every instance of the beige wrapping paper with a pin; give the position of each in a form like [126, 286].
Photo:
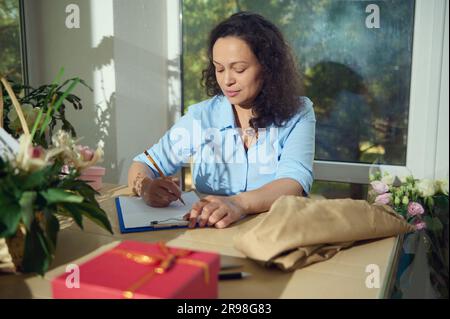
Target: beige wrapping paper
[298, 231]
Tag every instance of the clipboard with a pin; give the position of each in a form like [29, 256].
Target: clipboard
[136, 216]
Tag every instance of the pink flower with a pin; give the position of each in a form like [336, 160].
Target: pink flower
[65, 169]
[36, 152]
[420, 225]
[86, 153]
[383, 199]
[379, 187]
[415, 209]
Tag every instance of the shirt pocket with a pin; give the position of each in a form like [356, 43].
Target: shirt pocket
[268, 155]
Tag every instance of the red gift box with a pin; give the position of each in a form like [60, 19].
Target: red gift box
[143, 270]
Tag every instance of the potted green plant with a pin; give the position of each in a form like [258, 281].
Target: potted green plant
[39, 182]
[43, 99]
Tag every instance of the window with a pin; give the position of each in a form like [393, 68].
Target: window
[10, 40]
[359, 75]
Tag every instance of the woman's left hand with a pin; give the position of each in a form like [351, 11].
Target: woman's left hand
[218, 211]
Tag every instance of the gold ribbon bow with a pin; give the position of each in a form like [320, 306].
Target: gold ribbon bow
[163, 262]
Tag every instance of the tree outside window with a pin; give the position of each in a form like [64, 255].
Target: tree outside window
[10, 46]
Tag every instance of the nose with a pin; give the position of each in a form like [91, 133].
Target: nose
[229, 79]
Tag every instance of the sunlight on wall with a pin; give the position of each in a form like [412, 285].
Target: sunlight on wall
[104, 85]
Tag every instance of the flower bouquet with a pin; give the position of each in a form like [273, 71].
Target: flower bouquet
[423, 203]
[38, 185]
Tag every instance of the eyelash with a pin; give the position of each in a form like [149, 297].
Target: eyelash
[238, 71]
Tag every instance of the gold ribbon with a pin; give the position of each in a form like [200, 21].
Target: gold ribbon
[164, 263]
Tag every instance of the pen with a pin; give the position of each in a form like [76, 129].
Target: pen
[156, 224]
[170, 222]
[159, 171]
[233, 275]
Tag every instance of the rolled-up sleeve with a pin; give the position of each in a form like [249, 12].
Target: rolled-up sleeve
[297, 154]
[173, 149]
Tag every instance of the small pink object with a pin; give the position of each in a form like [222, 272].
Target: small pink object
[36, 152]
[93, 175]
[86, 153]
[420, 225]
[379, 187]
[415, 209]
[383, 199]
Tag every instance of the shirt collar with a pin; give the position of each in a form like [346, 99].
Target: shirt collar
[223, 117]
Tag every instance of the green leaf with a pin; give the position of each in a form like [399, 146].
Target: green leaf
[46, 101]
[51, 228]
[434, 224]
[26, 204]
[74, 211]
[81, 187]
[57, 105]
[55, 195]
[35, 180]
[9, 217]
[96, 214]
[38, 255]
[36, 123]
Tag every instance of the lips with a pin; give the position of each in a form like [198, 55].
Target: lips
[231, 93]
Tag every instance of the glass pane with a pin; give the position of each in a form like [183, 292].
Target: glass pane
[10, 55]
[358, 77]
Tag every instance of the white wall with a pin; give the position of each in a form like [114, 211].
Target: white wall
[120, 49]
[442, 158]
[140, 50]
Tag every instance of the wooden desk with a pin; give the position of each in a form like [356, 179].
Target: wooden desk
[343, 276]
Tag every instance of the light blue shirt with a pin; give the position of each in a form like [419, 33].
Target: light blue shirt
[207, 134]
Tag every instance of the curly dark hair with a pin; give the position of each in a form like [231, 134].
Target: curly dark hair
[278, 100]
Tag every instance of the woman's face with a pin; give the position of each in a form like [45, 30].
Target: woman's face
[238, 71]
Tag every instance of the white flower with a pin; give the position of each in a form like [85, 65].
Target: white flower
[72, 154]
[442, 186]
[30, 114]
[403, 179]
[30, 158]
[62, 139]
[82, 161]
[64, 147]
[387, 179]
[426, 187]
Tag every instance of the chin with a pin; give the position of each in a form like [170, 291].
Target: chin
[235, 100]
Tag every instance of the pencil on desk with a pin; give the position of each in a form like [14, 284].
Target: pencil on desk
[159, 171]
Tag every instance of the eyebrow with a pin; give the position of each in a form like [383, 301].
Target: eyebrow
[232, 63]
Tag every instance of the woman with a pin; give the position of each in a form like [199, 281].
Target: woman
[251, 143]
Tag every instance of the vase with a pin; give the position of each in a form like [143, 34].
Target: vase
[12, 248]
[16, 248]
[415, 274]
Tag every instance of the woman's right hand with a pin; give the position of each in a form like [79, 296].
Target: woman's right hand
[160, 192]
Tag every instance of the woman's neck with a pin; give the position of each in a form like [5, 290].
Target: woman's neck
[243, 115]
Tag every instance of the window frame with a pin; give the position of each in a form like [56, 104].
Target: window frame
[23, 43]
[429, 86]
